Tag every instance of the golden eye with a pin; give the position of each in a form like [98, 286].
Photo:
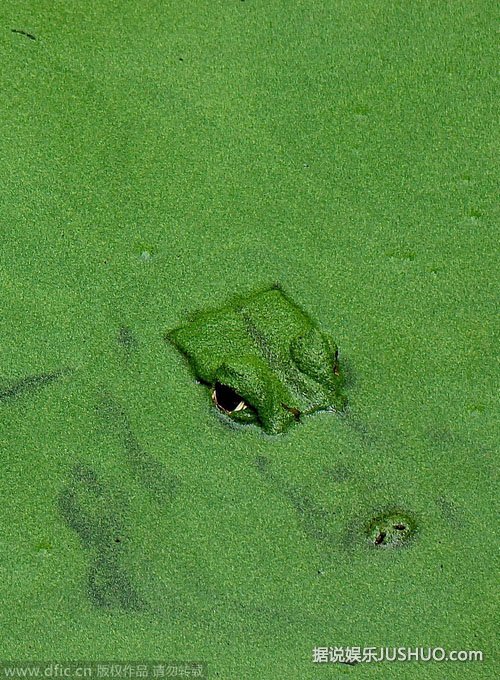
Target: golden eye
[225, 398]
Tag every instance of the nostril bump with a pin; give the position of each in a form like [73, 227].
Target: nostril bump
[391, 529]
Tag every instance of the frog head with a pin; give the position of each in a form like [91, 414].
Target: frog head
[264, 360]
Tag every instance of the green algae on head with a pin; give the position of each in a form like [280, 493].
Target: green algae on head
[264, 360]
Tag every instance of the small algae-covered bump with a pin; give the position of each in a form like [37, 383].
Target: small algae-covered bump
[392, 529]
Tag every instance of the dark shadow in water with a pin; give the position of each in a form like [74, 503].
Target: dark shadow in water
[89, 509]
[318, 522]
[29, 385]
[109, 585]
[127, 342]
[161, 484]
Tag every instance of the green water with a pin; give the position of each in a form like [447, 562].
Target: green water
[161, 157]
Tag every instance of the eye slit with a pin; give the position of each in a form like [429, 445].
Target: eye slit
[225, 398]
[400, 527]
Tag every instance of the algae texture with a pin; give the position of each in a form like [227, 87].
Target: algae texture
[164, 157]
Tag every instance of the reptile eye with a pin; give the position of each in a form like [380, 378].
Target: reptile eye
[225, 398]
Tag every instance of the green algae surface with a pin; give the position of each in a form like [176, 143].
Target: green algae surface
[161, 159]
